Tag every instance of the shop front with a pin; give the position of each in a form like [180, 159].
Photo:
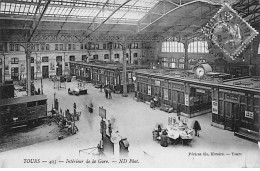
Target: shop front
[105, 74]
[237, 110]
[187, 97]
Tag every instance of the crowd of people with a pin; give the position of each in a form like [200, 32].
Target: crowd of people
[107, 90]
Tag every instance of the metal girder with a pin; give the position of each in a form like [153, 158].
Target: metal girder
[45, 8]
[76, 38]
[156, 20]
[66, 19]
[108, 17]
[70, 20]
[93, 21]
[121, 17]
[172, 2]
[83, 5]
[190, 23]
[160, 4]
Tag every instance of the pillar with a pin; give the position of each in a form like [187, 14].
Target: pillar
[3, 69]
[124, 69]
[186, 44]
[28, 68]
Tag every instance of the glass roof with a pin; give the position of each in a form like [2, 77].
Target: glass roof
[99, 10]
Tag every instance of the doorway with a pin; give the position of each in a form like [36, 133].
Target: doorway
[14, 73]
[231, 109]
[45, 71]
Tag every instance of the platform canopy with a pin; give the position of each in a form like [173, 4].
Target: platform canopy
[111, 20]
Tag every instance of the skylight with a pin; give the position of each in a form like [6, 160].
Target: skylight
[132, 11]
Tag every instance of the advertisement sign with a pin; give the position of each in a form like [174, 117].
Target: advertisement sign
[187, 99]
[22, 66]
[249, 114]
[129, 75]
[52, 65]
[149, 90]
[229, 31]
[157, 83]
[165, 94]
[200, 91]
[102, 112]
[215, 107]
[38, 66]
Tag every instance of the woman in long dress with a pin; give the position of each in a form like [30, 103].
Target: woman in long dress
[197, 128]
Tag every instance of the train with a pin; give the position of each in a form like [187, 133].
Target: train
[22, 111]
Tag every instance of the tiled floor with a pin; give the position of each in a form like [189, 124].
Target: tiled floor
[135, 121]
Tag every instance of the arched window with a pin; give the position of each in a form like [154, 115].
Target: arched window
[198, 47]
[171, 46]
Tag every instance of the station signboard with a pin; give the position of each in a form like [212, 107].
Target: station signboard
[249, 114]
[102, 112]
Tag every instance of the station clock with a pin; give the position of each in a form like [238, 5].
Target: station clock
[200, 69]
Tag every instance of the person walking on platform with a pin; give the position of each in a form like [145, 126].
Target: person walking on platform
[197, 128]
[109, 128]
[152, 105]
[106, 93]
[101, 86]
[109, 92]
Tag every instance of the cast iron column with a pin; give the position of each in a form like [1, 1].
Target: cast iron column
[28, 68]
[3, 68]
[124, 69]
[186, 44]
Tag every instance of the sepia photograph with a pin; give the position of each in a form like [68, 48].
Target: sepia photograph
[129, 84]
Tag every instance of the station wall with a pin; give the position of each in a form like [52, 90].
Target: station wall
[15, 57]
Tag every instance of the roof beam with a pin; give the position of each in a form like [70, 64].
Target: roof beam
[156, 20]
[35, 28]
[97, 15]
[108, 17]
[84, 5]
[65, 20]
[35, 13]
[121, 17]
[71, 20]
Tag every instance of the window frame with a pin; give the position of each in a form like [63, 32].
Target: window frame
[106, 55]
[1, 47]
[47, 47]
[56, 46]
[42, 47]
[14, 60]
[45, 57]
[11, 47]
[17, 47]
[61, 46]
[71, 57]
[95, 56]
[116, 56]
[69, 46]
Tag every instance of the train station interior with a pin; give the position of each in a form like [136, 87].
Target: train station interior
[130, 83]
